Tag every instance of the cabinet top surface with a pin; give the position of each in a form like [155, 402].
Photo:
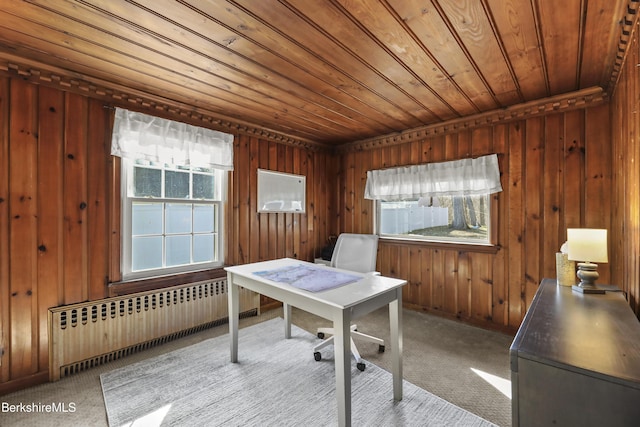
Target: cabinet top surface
[583, 332]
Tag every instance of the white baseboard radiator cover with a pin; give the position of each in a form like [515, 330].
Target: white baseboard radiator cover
[89, 334]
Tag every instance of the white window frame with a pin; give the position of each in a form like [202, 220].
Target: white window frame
[221, 177]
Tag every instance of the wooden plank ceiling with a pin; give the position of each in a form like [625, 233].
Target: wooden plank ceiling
[325, 71]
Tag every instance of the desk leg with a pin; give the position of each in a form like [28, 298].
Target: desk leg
[395, 320]
[286, 308]
[234, 315]
[342, 349]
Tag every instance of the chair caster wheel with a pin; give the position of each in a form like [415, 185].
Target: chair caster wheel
[381, 349]
[321, 335]
[317, 356]
[360, 366]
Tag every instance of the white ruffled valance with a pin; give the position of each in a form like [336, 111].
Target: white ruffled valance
[455, 178]
[140, 136]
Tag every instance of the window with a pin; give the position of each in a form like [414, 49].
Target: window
[446, 202]
[173, 181]
[441, 218]
[172, 217]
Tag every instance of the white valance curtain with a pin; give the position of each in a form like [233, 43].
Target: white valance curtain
[140, 136]
[455, 178]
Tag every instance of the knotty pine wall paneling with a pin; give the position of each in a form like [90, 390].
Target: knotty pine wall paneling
[533, 181]
[23, 230]
[253, 236]
[74, 236]
[513, 191]
[60, 213]
[264, 236]
[499, 283]
[50, 208]
[625, 140]
[5, 330]
[556, 173]
[54, 216]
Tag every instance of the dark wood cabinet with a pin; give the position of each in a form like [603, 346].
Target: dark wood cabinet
[575, 360]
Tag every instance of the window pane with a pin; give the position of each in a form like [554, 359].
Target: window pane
[147, 182]
[462, 219]
[176, 184]
[203, 187]
[146, 218]
[164, 226]
[202, 247]
[203, 218]
[146, 253]
[178, 217]
[178, 250]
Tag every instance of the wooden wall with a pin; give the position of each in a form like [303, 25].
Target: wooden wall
[54, 215]
[256, 237]
[625, 110]
[59, 213]
[556, 173]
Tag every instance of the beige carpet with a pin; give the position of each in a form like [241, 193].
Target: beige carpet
[276, 382]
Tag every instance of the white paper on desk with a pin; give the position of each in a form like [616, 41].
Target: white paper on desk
[309, 278]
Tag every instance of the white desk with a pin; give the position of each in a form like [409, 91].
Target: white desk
[340, 305]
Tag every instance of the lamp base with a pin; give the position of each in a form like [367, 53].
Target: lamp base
[588, 289]
[588, 274]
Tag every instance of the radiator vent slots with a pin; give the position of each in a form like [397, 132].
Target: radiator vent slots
[85, 335]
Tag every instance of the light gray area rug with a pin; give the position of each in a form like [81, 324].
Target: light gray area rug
[277, 382]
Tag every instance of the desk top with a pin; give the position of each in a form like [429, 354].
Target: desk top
[368, 287]
[588, 333]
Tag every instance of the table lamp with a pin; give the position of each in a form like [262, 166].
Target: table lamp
[587, 246]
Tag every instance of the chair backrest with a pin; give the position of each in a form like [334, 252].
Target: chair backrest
[356, 252]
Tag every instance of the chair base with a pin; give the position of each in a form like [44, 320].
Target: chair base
[354, 350]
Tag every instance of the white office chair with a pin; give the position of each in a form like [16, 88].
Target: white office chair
[355, 252]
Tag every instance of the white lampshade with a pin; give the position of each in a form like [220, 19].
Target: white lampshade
[587, 244]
